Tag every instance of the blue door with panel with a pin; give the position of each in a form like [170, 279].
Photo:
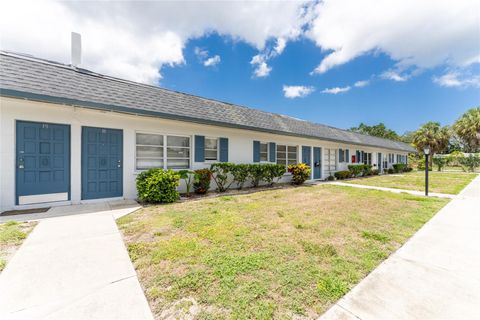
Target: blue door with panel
[102, 157]
[42, 162]
[317, 163]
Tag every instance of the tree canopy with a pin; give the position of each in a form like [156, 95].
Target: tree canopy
[467, 130]
[378, 130]
[433, 135]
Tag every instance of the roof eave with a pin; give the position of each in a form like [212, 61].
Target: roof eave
[115, 108]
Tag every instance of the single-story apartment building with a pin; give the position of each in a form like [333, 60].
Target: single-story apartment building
[69, 135]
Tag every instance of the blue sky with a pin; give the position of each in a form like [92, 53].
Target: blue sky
[417, 60]
[400, 105]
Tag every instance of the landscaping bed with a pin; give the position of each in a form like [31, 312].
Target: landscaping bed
[277, 253]
[12, 235]
[440, 182]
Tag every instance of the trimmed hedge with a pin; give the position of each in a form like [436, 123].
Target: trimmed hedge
[158, 186]
[340, 175]
[399, 167]
[358, 170]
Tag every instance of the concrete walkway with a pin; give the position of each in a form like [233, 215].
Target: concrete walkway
[435, 275]
[74, 267]
[414, 192]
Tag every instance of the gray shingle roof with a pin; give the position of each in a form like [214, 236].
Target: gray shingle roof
[53, 82]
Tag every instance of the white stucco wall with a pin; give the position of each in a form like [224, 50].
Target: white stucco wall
[240, 141]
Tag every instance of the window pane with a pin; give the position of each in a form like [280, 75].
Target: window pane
[292, 149]
[280, 161]
[263, 147]
[178, 163]
[264, 156]
[292, 162]
[149, 152]
[150, 139]
[173, 141]
[210, 154]
[281, 148]
[143, 164]
[210, 143]
[178, 152]
[281, 155]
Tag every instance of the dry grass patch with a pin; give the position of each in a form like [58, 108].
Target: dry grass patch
[12, 235]
[276, 253]
[441, 182]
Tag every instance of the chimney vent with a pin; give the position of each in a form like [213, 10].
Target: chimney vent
[76, 49]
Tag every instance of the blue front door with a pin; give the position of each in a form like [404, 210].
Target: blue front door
[317, 163]
[42, 162]
[102, 157]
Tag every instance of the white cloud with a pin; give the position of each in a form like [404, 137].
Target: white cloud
[212, 61]
[261, 67]
[297, 91]
[336, 90]
[394, 75]
[455, 79]
[133, 40]
[423, 33]
[200, 53]
[361, 83]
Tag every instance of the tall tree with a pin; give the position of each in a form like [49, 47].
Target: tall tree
[378, 130]
[467, 129]
[433, 135]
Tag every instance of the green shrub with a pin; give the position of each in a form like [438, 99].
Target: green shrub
[240, 174]
[188, 177]
[220, 174]
[330, 178]
[399, 167]
[390, 170]
[470, 162]
[440, 162]
[367, 170]
[158, 186]
[273, 171]
[256, 173]
[201, 184]
[408, 169]
[375, 172]
[300, 173]
[340, 175]
[355, 169]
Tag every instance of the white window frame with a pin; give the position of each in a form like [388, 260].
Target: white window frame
[164, 135]
[286, 154]
[268, 152]
[218, 150]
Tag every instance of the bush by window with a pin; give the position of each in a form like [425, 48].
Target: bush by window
[300, 173]
[158, 186]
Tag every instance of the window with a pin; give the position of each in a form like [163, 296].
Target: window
[330, 156]
[149, 151]
[367, 158]
[263, 151]
[287, 155]
[178, 152]
[211, 149]
[152, 152]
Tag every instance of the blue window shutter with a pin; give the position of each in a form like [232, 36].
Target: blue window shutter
[199, 148]
[256, 151]
[358, 156]
[306, 155]
[223, 149]
[272, 149]
[347, 157]
[340, 155]
[362, 155]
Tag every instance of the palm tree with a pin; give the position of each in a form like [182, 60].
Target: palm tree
[433, 135]
[467, 129]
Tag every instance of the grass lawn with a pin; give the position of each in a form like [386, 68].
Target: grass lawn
[277, 253]
[441, 182]
[12, 235]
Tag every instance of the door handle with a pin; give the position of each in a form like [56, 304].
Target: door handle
[20, 166]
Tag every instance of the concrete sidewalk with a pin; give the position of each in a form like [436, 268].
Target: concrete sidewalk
[435, 275]
[74, 267]
[414, 192]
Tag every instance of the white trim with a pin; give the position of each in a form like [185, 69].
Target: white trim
[41, 198]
